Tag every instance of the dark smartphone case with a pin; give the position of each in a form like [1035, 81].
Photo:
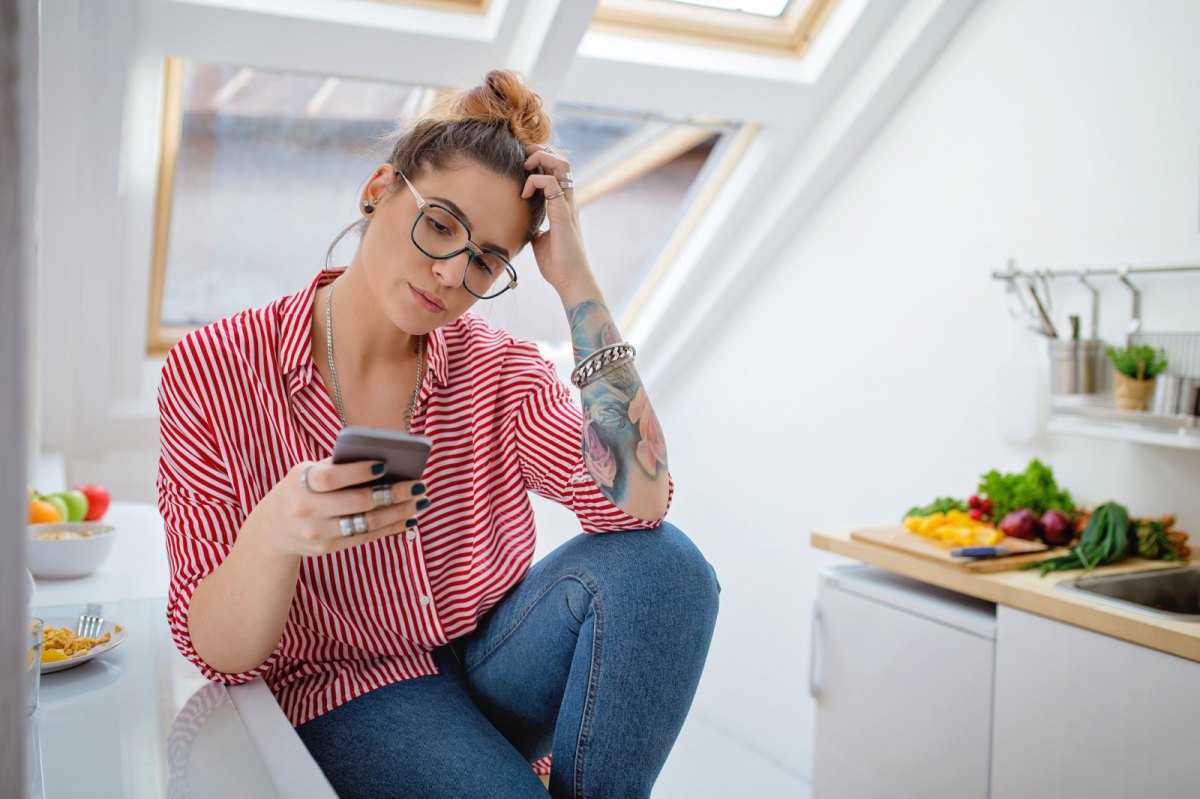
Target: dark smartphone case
[404, 454]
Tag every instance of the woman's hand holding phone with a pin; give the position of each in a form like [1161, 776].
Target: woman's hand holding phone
[303, 513]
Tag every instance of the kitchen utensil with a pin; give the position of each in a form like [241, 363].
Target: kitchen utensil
[1041, 308]
[1095, 321]
[1189, 397]
[1166, 394]
[90, 622]
[980, 552]
[1135, 320]
[1075, 365]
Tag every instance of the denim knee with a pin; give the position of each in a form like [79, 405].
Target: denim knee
[667, 554]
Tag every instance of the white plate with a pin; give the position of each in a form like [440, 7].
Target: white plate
[72, 623]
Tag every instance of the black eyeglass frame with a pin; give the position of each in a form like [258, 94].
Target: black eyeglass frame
[474, 250]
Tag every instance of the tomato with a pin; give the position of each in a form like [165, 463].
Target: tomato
[976, 514]
[973, 502]
[98, 499]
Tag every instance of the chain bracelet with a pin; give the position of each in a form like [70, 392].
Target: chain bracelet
[601, 362]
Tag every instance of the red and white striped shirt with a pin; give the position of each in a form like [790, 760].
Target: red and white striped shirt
[241, 402]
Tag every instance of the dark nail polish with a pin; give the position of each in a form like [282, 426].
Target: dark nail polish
[418, 489]
[378, 468]
[422, 504]
[411, 523]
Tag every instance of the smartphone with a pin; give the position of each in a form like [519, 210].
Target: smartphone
[403, 454]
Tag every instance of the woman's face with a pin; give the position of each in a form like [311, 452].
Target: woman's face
[419, 293]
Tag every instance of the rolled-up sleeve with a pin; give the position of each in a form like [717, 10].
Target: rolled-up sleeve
[549, 431]
[197, 502]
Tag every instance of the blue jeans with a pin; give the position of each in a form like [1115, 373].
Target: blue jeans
[594, 656]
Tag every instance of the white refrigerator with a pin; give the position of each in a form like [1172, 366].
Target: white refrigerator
[902, 674]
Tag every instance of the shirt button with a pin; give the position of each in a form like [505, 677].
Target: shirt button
[425, 600]
[412, 535]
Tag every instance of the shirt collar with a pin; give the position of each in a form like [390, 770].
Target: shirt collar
[296, 334]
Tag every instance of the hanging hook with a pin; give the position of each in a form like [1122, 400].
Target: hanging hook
[1095, 303]
[1135, 323]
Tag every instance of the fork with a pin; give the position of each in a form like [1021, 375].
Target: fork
[90, 622]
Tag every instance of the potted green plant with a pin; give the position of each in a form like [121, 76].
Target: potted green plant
[1136, 367]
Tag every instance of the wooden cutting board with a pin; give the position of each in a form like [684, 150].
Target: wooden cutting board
[897, 538]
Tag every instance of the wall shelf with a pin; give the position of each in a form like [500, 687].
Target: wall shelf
[1100, 421]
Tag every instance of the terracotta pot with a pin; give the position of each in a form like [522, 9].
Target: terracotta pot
[1132, 394]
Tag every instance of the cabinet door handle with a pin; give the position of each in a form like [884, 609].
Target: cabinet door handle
[814, 689]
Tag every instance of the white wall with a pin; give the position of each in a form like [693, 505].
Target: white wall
[864, 373]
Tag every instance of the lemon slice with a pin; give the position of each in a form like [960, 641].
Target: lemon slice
[52, 656]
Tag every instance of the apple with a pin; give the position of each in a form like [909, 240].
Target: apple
[77, 504]
[59, 504]
[98, 500]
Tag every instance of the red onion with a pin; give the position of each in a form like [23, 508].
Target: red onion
[1021, 524]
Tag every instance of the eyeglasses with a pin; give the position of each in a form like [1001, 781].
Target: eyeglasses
[441, 234]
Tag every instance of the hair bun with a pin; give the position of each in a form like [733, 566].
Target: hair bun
[504, 98]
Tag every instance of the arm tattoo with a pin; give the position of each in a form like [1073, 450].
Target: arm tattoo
[623, 445]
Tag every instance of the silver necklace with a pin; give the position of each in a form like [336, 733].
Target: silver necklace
[337, 389]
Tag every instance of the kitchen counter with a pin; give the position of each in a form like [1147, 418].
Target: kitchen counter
[1028, 591]
[141, 721]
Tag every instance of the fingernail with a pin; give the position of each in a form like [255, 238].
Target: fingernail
[418, 489]
[411, 523]
[422, 504]
[378, 468]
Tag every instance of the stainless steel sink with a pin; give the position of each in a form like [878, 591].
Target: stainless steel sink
[1168, 593]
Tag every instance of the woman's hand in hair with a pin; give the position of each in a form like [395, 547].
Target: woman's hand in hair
[559, 251]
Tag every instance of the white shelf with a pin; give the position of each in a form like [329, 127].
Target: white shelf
[1099, 422]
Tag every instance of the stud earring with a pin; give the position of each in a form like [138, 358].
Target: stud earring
[367, 207]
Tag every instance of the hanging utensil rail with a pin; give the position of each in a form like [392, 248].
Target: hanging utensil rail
[1092, 271]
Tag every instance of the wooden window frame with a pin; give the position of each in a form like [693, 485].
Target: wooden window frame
[160, 338]
[789, 34]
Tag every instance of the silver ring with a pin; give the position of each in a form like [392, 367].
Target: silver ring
[550, 151]
[567, 176]
[346, 526]
[566, 184]
[382, 497]
[304, 476]
[360, 523]
[554, 196]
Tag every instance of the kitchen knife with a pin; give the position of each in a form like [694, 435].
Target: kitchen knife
[981, 552]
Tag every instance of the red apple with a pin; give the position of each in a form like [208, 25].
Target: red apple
[98, 500]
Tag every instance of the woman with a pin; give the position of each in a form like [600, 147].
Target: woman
[403, 631]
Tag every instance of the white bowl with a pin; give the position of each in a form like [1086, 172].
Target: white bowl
[71, 557]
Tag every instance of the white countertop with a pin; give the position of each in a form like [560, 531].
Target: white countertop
[141, 721]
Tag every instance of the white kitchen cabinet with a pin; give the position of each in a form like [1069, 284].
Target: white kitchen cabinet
[1080, 714]
[902, 677]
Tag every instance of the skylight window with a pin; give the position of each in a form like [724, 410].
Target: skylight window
[764, 8]
[784, 27]
[259, 172]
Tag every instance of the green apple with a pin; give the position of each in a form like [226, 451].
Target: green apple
[77, 504]
[60, 504]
